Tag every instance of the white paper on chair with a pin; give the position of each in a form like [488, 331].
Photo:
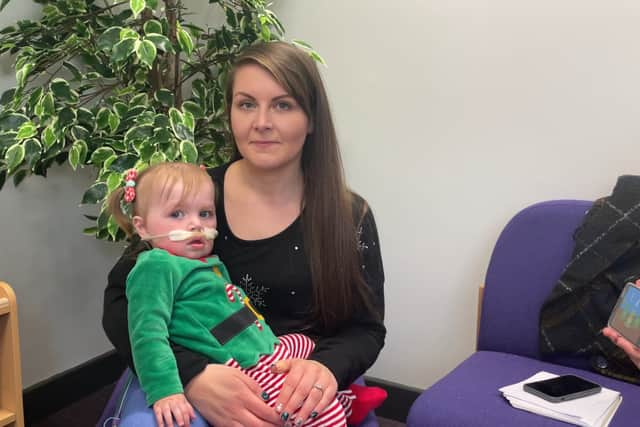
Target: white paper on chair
[590, 411]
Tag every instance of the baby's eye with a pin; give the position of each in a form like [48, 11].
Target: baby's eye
[177, 214]
[207, 214]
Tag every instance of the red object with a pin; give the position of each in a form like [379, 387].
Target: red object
[367, 399]
[129, 194]
[130, 184]
[132, 174]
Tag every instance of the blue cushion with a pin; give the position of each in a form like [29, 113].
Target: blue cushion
[527, 260]
[469, 396]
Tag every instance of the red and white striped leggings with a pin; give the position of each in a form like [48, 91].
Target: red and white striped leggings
[296, 346]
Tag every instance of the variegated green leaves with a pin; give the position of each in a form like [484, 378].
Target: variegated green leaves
[119, 84]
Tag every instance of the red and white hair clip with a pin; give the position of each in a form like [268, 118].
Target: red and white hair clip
[130, 185]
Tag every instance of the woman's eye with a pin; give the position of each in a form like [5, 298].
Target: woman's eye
[207, 214]
[246, 105]
[283, 106]
[177, 214]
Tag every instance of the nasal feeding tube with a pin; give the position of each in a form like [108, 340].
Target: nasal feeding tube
[179, 235]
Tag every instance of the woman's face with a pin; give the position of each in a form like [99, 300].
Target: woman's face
[268, 125]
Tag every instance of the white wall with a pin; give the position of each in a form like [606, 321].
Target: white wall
[453, 115]
[57, 273]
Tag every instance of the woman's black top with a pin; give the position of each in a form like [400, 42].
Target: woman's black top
[275, 274]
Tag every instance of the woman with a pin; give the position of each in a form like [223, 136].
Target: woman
[631, 349]
[627, 346]
[301, 245]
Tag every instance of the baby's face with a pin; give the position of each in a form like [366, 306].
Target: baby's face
[195, 213]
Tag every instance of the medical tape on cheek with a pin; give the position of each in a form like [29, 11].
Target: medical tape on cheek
[180, 235]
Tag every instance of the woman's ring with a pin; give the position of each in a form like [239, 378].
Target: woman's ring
[318, 387]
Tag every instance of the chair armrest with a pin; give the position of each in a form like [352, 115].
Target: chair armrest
[480, 293]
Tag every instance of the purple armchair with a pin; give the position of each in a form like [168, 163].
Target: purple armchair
[127, 407]
[527, 260]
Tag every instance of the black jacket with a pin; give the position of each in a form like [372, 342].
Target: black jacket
[606, 256]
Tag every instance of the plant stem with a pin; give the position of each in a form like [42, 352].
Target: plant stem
[178, 73]
[173, 59]
[102, 91]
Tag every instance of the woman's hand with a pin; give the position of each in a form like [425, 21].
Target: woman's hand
[632, 351]
[226, 397]
[173, 407]
[309, 385]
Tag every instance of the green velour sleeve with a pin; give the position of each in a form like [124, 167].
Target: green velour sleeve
[150, 292]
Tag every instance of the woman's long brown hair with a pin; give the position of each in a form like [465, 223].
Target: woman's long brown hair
[328, 217]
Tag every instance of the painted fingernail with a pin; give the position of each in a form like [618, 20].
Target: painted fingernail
[299, 422]
[265, 396]
[313, 414]
[284, 416]
[279, 407]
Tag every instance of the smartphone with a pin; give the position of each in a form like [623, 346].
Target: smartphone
[625, 317]
[562, 388]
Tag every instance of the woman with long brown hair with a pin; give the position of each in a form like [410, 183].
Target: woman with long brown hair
[293, 236]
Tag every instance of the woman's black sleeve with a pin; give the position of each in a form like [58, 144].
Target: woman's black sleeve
[114, 322]
[350, 352]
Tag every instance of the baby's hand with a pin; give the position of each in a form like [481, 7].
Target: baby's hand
[175, 406]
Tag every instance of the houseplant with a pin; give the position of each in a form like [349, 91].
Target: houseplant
[116, 85]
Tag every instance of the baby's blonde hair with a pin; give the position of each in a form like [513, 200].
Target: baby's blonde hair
[158, 180]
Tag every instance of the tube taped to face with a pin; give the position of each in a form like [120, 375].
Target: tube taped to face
[179, 235]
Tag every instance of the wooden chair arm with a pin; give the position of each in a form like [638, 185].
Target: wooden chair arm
[11, 412]
[480, 293]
